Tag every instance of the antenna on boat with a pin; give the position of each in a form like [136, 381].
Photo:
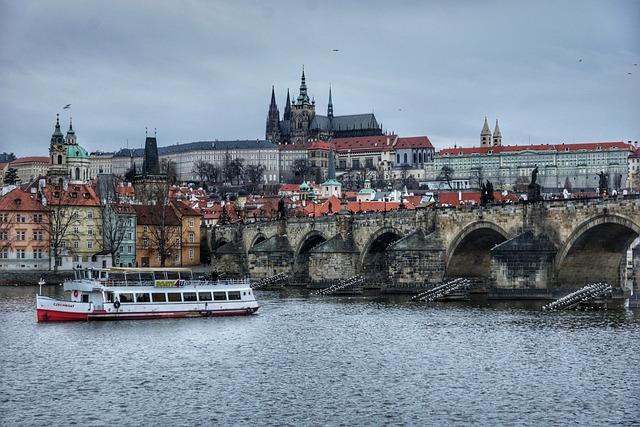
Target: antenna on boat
[41, 282]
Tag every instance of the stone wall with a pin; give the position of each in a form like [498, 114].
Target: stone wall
[332, 266]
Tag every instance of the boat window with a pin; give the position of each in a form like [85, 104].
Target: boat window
[172, 275]
[204, 296]
[159, 297]
[85, 297]
[234, 295]
[189, 296]
[108, 296]
[143, 297]
[219, 296]
[116, 277]
[174, 296]
[126, 298]
[146, 277]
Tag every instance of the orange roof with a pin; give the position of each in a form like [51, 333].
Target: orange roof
[31, 159]
[76, 195]
[331, 205]
[18, 200]
[184, 208]
[364, 143]
[537, 147]
[2, 165]
[319, 145]
[413, 142]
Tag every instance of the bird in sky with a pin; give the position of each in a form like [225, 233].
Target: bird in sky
[336, 50]
[580, 60]
[66, 107]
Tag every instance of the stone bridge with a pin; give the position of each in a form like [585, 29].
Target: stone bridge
[547, 245]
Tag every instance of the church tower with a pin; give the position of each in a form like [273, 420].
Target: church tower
[485, 135]
[497, 135]
[273, 120]
[58, 172]
[302, 113]
[287, 108]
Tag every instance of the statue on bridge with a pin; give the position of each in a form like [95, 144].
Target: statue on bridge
[603, 185]
[486, 193]
[533, 189]
[282, 209]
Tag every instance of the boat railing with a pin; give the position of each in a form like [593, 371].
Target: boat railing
[178, 283]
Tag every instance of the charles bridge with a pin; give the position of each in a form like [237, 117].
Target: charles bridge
[527, 248]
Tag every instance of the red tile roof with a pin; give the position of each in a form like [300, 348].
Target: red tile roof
[413, 142]
[364, 143]
[376, 206]
[31, 159]
[471, 197]
[323, 208]
[76, 195]
[184, 208]
[18, 200]
[152, 215]
[619, 145]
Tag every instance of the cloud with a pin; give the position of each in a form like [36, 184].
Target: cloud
[203, 70]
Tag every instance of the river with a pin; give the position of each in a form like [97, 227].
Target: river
[323, 361]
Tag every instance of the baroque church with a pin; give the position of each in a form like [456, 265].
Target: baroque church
[68, 161]
[300, 123]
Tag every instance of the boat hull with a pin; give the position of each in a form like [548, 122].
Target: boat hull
[52, 315]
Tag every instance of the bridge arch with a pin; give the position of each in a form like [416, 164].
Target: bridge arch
[258, 238]
[596, 251]
[372, 259]
[302, 253]
[469, 254]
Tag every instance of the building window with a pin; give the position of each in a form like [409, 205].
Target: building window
[89, 245]
[21, 253]
[37, 254]
[21, 218]
[4, 254]
[405, 157]
[21, 235]
[191, 222]
[145, 228]
[37, 218]
[4, 217]
[4, 235]
[90, 231]
[145, 243]
[90, 215]
[190, 253]
[75, 229]
[129, 249]
[37, 235]
[76, 245]
[191, 237]
[177, 257]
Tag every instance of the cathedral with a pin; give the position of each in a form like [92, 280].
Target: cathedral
[300, 123]
[68, 161]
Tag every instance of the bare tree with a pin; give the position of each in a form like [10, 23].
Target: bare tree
[201, 170]
[168, 168]
[446, 175]
[163, 236]
[237, 170]
[227, 168]
[301, 169]
[477, 176]
[61, 215]
[114, 222]
[254, 174]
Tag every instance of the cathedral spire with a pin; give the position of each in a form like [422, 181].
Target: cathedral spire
[273, 98]
[485, 135]
[303, 98]
[272, 132]
[287, 107]
[330, 106]
[497, 135]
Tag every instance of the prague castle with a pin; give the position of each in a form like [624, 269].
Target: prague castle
[300, 123]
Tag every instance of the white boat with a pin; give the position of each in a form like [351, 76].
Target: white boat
[146, 293]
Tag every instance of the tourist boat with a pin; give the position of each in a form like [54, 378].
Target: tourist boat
[145, 293]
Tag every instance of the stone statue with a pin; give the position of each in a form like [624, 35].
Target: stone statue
[534, 175]
[486, 193]
[603, 185]
[282, 209]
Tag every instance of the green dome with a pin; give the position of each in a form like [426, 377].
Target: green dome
[366, 191]
[76, 151]
[304, 186]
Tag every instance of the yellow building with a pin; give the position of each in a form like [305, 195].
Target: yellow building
[190, 220]
[75, 226]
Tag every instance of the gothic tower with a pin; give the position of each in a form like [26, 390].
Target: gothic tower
[497, 135]
[302, 113]
[273, 120]
[287, 108]
[485, 135]
[330, 106]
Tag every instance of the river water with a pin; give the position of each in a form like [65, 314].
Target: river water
[323, 361]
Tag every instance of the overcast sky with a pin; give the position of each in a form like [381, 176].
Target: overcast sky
[550, 71]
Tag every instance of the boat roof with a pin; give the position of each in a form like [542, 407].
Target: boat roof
[147, 269]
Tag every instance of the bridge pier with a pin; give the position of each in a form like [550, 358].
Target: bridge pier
[270, 257]
[332, 261]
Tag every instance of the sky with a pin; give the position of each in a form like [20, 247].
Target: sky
[550, 71]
